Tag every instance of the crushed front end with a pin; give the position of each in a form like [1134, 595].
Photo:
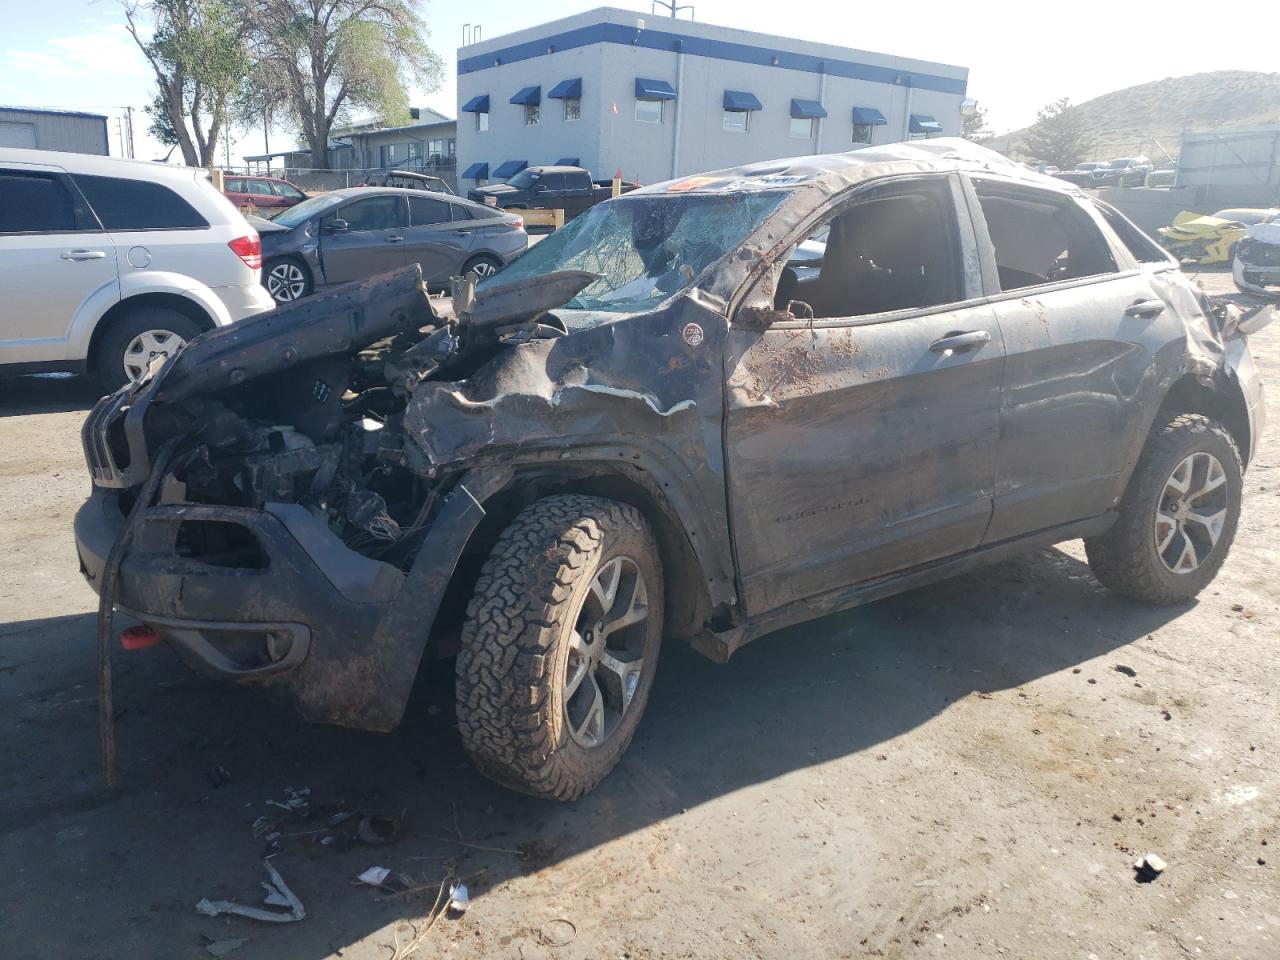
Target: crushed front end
[268, 520]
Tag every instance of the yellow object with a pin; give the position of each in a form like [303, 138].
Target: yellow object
[1207, 239]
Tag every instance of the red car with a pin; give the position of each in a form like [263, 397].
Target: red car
[265, 193]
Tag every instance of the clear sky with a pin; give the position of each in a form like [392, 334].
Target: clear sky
[75, 54]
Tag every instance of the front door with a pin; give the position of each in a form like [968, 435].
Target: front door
[861, 442]
[1080, 331]
[435, 240]
[54, 257]
[372, 241]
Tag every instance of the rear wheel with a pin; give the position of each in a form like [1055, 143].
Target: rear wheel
[137, 339]
[560, 646]
[483, 266]
[286, 279]
[1178, 516]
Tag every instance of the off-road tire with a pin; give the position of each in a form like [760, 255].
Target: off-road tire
[511, 669]
[1124, 559]
[108, 358]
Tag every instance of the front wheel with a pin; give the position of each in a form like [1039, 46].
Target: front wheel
[560, 646]
[138, 339]
[1178, 516]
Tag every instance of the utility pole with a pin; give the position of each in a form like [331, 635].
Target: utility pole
[226, 146]
[129, 115]
[673, 6]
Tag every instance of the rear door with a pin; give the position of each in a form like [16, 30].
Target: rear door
[54, 256]
[577, 191]
[862, 442]
[1081, 323]
[435, 240]
[372, 242]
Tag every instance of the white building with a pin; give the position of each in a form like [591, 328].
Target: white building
[658, 98]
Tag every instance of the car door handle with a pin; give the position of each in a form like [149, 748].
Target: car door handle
[960, 342]
[83, 254]
[1145, 309]
[395, 239]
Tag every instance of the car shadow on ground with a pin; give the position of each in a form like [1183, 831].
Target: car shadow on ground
[46, 393]
[199, 760]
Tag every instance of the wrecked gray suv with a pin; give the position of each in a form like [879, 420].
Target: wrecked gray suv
[650, 427]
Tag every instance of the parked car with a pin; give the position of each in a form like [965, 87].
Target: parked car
[1121, 172]
[1211, 240]
[1256, 267]
[268, 194]
[1161, 179]
[408, 179]
[361, 231]
[570, 189]
[107, 265]
[647, 430]
[1081, 174]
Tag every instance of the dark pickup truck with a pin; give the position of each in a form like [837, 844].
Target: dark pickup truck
[548, 188]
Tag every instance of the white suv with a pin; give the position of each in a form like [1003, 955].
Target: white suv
[107, 264]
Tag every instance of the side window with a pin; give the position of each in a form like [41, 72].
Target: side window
[260, 188]
[137, 204]
[423, 211]
[289, 191]
[231, 185]
[1040, 236]
[35, 203]
[896, 249]
[460, 212]
[554, 181]
[1143, 248]
[373, 213]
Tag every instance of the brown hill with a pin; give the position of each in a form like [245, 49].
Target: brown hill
[1141, 119]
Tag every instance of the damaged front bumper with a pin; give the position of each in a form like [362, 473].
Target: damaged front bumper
[337, 634]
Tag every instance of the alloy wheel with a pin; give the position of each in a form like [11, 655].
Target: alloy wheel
[606, 652]
[484, 269]
[286, 282]
[148, 346]
[1191, 513]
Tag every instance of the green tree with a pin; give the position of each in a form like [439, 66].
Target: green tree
[1059, 136]
[330, 57]
[973, 126]
[197, 50]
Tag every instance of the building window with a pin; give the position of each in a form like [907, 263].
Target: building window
[572, 108]
[531, 114]
[649, 111]
[736, 121]
[862, 132]
[802, 128]
[482, 121]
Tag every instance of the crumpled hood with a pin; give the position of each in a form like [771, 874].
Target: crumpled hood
[1190, 224]
[1265, 232]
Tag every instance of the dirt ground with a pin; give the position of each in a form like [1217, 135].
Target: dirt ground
[960, 771]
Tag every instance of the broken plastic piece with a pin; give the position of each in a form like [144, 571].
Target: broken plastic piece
[459, 898]
[278, 893]
[374, 876]
[220, 948]
[139, 637]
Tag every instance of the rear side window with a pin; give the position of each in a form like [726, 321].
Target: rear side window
[35, 203]
[138, 204]
[1041, 237]
[233, 186]
[579, 180]
[424, 212]
[1143, 248]
[260, 188]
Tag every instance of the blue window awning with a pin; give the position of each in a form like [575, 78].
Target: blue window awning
[807, 109]
[568, 162]
[510, 168]
[478, 104]
[654, 90]
[739, 101]
[923, 123]
[868, 117]
[529, 97]
[566, 89]
[477, 171]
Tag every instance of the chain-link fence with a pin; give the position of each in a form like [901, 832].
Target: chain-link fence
[311, 180]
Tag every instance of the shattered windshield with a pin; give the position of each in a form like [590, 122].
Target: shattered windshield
[645, 248]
